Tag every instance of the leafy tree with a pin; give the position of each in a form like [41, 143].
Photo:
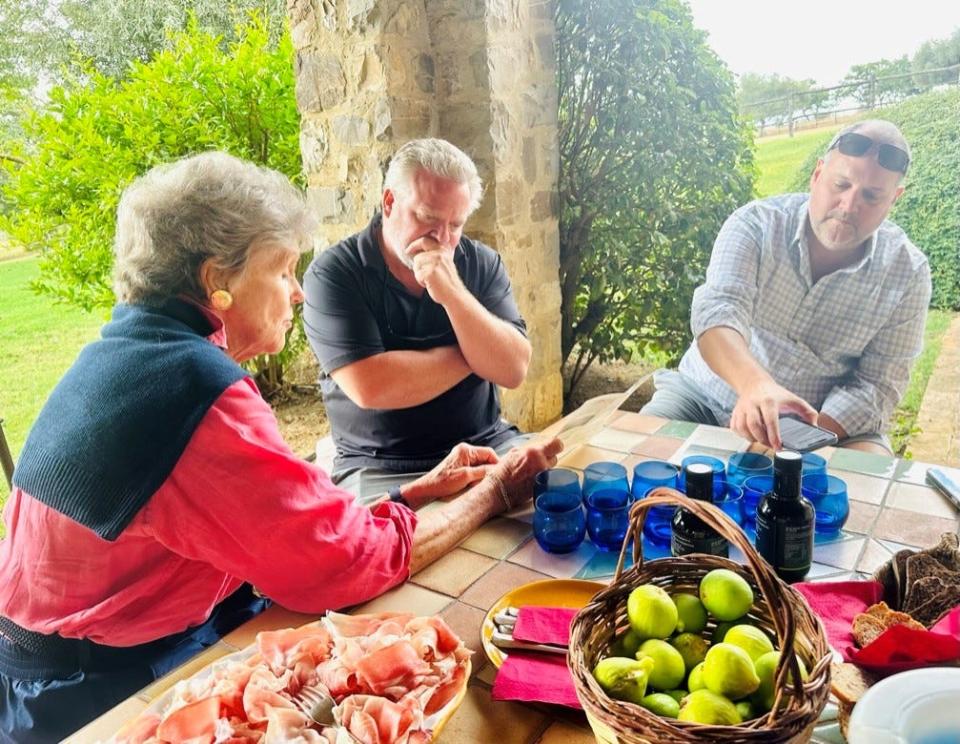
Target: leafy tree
[772, 99]
[39, 38]
[885, 81]
[653, 158]
[934, 55]
[929, 210]
[97, 134]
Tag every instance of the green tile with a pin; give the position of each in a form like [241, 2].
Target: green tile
[679, 429]
[601, 565]
[863, 462]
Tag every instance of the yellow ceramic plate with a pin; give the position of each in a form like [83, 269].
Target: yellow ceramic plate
[574, 593]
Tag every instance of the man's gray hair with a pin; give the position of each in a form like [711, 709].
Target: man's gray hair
[438, 157]
[208, 206]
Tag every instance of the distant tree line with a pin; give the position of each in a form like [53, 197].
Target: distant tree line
[773, 100]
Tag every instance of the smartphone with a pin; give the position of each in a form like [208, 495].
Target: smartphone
[945, 485]
[803, 437]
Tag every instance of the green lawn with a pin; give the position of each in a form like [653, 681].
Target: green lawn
[779, 157]
[905, 417]
[39, 340]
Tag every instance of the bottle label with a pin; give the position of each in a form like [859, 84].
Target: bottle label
[784, 546]
[699, 542]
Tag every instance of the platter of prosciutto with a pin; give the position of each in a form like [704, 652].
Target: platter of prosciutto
[395, 679]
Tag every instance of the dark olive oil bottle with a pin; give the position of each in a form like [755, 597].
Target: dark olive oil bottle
[786, 520]
[689, 533]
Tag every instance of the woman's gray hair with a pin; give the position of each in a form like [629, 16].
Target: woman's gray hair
[438, 157]
[208, 206]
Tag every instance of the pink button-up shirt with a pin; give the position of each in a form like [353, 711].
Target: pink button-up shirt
[239, 506]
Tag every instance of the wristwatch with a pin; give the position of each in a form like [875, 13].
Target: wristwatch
[396, 497]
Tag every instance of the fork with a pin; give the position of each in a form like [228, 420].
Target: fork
[316, 703]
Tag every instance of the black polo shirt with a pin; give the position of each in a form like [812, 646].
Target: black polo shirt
[355, 308]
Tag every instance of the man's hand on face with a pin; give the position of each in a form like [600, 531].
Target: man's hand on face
[757, 413]
[434, 270]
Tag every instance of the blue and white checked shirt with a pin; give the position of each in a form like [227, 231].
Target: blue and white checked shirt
[844, 344]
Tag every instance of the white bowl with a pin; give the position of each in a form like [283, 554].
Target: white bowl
[921, 706]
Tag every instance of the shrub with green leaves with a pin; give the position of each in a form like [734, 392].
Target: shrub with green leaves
[929, 210]
[96, 134]
[653, 158]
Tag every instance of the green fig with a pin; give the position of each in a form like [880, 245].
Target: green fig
[624, 679]
[692, 648]
[661, 704]
[691, 614]
[728, 670]
[766, 667]
[668, 667]
[651, 612]
[626, 645]
[695, 678]
[726, 594]
[703, 706]
[745, 709]
[677, 694]
[751, 639]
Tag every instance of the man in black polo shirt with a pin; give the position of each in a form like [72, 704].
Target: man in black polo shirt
[414, 326]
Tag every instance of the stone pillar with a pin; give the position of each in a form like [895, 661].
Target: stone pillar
[479, 73]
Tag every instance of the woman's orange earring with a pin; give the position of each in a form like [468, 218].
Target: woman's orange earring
[221, 299]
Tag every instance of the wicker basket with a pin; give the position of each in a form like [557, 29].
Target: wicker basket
[777, 608]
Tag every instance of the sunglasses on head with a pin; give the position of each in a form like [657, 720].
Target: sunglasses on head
[856, 145]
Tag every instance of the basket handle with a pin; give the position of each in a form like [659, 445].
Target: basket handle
[771, 587]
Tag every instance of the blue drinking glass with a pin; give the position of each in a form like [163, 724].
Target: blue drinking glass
[719, 472]
[647, 476]
[815, 467]
[828, 494]
[753, 490]
[604, 476]
[558, 521]
[731, 501]
[556, 479]
[608, 514]
[743, 465]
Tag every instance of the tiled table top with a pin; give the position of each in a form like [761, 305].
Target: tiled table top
[890, 507]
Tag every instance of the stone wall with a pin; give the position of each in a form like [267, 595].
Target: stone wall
[480, 73]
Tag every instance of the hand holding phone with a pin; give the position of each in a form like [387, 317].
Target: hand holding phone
[803, 437]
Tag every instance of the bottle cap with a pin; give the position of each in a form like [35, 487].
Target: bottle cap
[699, 479]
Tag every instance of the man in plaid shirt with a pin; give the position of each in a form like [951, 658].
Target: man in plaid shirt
[814, 305]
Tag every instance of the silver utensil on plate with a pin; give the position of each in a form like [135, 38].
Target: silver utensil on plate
[504, 623]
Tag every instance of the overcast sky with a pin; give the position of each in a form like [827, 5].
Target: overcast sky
[819, 39]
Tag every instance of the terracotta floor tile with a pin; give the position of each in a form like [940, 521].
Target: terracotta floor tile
[567, 733]
[480, 719]
[454, 572]
[198, 662]
[406, 598]
[104, 727]
[862, 517]
[630, 421]
[534, 557]
[273, 618]
[866, 488]
[921, 499]
[498, 538]
[465, 621]
[840, 554]
[584, 455]
[658, 447]
[874, 556]
[912, 528]
[617, 439]
[497, 582]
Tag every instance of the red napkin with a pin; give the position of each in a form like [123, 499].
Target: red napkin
[534, 676]
[898, 648]
[544, 624]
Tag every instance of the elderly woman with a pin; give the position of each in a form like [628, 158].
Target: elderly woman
[154, 487]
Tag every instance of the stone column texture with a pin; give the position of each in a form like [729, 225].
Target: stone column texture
[372, 75]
